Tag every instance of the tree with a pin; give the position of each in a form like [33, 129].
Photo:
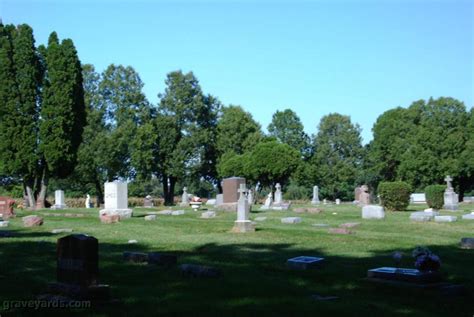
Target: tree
[287, 128]
[338, 156]
[20, 82]
[237, 131]
[179, 146]
[467, 158]
[62, 113]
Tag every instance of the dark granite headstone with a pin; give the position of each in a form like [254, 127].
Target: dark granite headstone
[78, 260]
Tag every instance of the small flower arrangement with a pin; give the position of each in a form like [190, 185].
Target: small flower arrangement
[425, 260]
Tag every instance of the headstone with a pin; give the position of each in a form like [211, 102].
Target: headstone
[373, 212]
[166, 212]
[177, 212]
[148, 202]
[56, 231]
[157, 258]
[468, 199]
[4, 223]
[315, 200]
[291, 220]
[421, 216]
[6, 207]
[304, 262]
[109, 219]
[230, 187]
[468, 216]
[32, 221]
[269, 201]
[349, 225]
[364, 196]
[340, 231]
[78, 260]
[150, 217]
[184, 198]
[59, 202]
[451, 199]
[211, 202]
[357, 192]
[88, 201]
[219, 199]
[135, 257]
[404, 275]
[325, 202]
[320, 225]
[418, 198]
[196, 270]
[278, 195]
[260, 218]
[132, 241]
[467, 243]
[445, 218]
[208, 214]
[116, 200]
[243, 224]
[250, 197]
[338, 201]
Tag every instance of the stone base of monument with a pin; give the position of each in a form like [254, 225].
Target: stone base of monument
[122, 213]
[401, 276]
[58, 207]
[227, 207]
[243, 226]
[94, 293]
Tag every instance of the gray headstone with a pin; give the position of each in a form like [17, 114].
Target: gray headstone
[468, 216]
[445, 218]
[451, 199]
[304, 262]
[421, 216]
[165, 212]
[219, 199]
[4, 223]
[210, 202]
[373, 212]
[315, 200]
[260, 218]
[291, 220]
[177, 213]
[150, 217]
[467, 243]
[208, 214]
[56, 231]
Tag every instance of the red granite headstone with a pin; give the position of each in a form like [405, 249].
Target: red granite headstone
[230, 187]
[6, 207]
[78, 260]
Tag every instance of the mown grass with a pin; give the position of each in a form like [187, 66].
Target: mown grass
[255, 280]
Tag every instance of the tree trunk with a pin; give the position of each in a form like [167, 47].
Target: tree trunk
[171, 189]
[166, 191]
[40, 202]
[99, 193]
[30, 196]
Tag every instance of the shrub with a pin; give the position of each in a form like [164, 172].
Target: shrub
[295, 192]
[394, 195]
[435, 196]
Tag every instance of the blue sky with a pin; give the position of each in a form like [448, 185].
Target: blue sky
[358, 58]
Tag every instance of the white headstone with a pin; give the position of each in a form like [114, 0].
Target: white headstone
[278, 198]
[451, 199]
[243, 224]
[219, 199]
[269, 200]
[116, 200]
[185, 197]
[250, 197]
[59, 202]
[315, 200]
[418, 198]
[373, 212]
[88, 201]
[338, 201]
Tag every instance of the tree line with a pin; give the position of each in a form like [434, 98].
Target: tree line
[67, 125]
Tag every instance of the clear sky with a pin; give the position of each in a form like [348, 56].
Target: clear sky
[358, 58]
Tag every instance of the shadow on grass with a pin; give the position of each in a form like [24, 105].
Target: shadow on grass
[254, 281]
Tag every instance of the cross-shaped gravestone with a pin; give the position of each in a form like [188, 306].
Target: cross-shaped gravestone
[242, 191]
[448, 180]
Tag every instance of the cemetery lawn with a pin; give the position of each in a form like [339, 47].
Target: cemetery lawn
[255, 280]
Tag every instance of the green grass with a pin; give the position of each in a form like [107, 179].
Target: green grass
[255, 280]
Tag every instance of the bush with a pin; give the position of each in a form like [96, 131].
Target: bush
[394, 195]
[295, 192]
[435, 196]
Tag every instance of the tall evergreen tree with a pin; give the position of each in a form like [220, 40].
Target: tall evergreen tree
[286, 126]
[62, 113]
